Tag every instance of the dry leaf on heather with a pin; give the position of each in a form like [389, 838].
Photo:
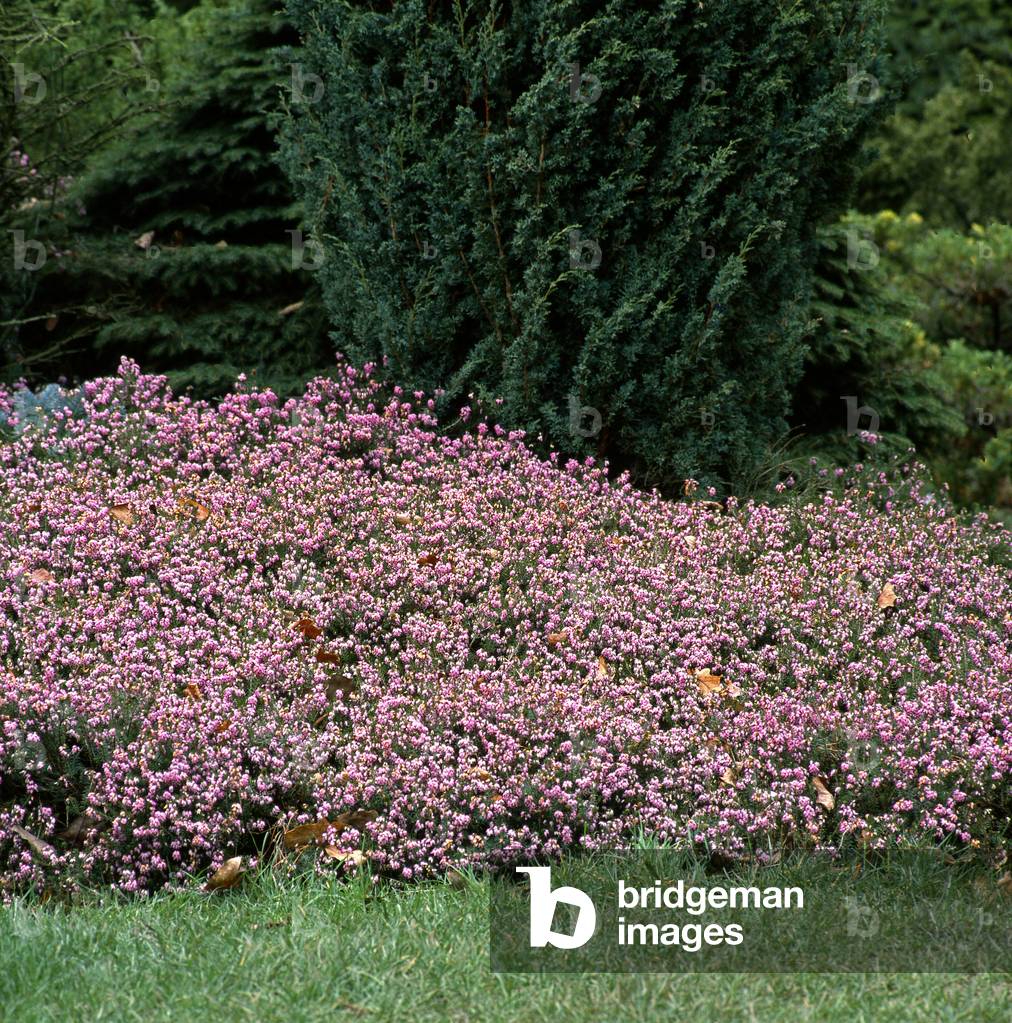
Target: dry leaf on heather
[226, 876]
[193, 691]
[308, 628]
[729, 777]
[707, 682]
[353, 819]
[823, 797]
[308, 834]
[603, 671]
[38, 846]
[42, 575]
[80, 828]
[887, 598]
[305, 834]
[193, 509]
[354, 856]
[123, 513]
[327, 657]
[402, 519]
[428, 559]
[710, 683]
[340, 684]
[557, 638]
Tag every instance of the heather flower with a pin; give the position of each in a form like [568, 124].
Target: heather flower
[223, 621]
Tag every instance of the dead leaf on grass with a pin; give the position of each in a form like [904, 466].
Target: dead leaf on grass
[354, 856]
[226, 876]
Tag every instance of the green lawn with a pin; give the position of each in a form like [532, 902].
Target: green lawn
[305, 950]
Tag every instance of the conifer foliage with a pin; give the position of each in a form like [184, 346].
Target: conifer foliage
[183, 255]
[602, 213]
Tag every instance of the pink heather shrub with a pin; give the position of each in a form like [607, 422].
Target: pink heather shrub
[537, 659]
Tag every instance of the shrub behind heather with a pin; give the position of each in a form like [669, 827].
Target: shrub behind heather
[590, 210]
[221, 622]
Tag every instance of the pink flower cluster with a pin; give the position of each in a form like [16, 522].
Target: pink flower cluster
[218, 622]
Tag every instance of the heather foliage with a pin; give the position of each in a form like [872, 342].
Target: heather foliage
[219, 622]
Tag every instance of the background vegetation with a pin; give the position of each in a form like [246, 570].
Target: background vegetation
[651, 260]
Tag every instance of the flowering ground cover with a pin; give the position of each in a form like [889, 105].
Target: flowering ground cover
[333, 624]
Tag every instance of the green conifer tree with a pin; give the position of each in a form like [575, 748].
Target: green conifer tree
[183, 256]
[603, 213]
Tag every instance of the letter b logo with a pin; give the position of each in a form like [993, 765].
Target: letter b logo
[543, 903]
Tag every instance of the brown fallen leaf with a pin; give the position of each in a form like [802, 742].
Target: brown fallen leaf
[123, 513]
[226, 876]
[354, 856]
[340, 684]
[887, 598]
[193, 509]
[327, 657]
[558, 638]
[402, 519]
[603, 671]
[823, 797]
[42, 575]
[222, 726]
[80, 828]
[193, 691]
[308, 834]
[38, 846]
[308, 628]
[729, 777]
[428, 559]
[455, 878]
[707, 682]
